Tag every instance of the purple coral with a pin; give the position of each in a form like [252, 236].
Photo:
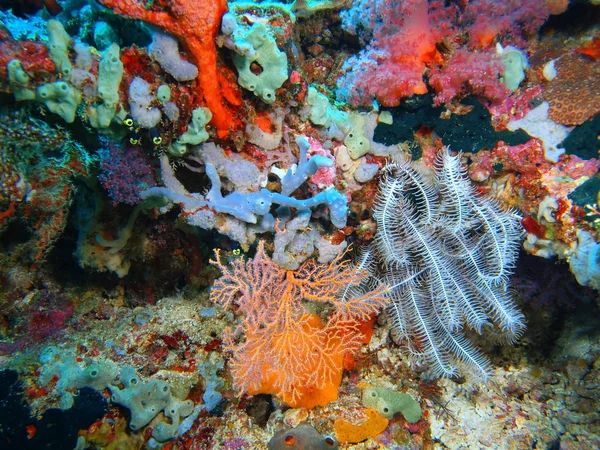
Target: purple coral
[124, 173]
[235, 444]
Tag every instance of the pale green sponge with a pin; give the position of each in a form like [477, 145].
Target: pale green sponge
[389, 402]
[60, 98]
[515, 63]
[58, 47]
[19, 81]
[195, 134]
[356, 140]
[110, 74]
[263, 69]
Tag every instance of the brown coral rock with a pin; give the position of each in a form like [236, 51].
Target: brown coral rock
[574, 95]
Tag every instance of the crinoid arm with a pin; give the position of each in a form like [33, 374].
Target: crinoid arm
[447, 253]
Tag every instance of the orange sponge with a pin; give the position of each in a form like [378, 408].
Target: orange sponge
[349, 433]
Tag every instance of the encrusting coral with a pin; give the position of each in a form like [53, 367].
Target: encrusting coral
[287, 349]
[574, 95]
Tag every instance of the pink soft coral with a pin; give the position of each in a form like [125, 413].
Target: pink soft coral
[512, 20]
[401, 42]
[392, 67]
[375, 75]
[467, 73]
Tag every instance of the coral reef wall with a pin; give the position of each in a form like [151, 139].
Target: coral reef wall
[299, 224]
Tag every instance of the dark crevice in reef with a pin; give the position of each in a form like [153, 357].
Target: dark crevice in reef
[56, 429]
[470, 132]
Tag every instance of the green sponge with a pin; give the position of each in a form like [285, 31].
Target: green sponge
[110, 73]
[264, 69]
[58, 47]
[515, 63]
[388, 402]
[195, 134]
[351, 125]
[19, 81]
[60, 98]
[356, 139]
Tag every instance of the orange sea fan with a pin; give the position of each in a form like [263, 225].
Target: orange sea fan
[283, 347]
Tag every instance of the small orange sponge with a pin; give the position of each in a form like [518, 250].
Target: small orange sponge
[349, 433]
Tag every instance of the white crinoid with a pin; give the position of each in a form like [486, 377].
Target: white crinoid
[447, 251]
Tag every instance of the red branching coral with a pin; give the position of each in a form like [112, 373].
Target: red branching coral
[195, 24]
[574, 95]
[533, 177]
[287, 349]
[33, 56]
[514, 107]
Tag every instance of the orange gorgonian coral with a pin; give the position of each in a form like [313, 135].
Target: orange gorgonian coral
[282, 346]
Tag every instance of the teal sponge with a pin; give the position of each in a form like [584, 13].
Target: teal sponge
[146, 399]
